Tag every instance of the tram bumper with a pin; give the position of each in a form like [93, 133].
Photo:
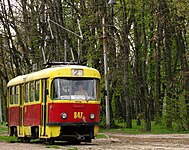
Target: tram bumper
[77, 131]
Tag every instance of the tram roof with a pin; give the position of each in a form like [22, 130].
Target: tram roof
[57, 71]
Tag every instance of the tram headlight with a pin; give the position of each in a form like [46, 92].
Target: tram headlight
[92, 116]
[64, 115]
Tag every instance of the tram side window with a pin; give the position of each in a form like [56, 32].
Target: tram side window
[60, 87]
[14, 91]
[32, 88]
[27, 92]
[98, 89]
[16, 94]
[37, 85]
[55, 89]
[11, 95]
[21, 94]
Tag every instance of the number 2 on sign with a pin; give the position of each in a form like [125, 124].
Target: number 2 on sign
[78, 115]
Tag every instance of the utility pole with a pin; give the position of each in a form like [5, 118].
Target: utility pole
[105, 49]
[106, 71]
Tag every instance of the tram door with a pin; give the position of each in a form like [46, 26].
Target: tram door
[21, 98]
[44, 106]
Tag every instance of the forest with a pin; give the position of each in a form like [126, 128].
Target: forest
[144, 43]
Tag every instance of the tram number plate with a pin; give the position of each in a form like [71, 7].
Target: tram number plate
[78, 115]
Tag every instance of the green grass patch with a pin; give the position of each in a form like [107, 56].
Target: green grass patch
[4, 133]
[74, 148]
[54, 146]
[155, 129]
[101, 136]
[9, 139]
[3, 129]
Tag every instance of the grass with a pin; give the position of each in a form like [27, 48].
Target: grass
[75, 148]
[54, 146]
[3, 128]
[155, 129]
[8, 139]
[3, 134]
[101, 135]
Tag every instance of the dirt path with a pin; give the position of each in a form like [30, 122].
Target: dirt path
[114, 142]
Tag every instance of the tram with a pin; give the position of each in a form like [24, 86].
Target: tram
[58, 103]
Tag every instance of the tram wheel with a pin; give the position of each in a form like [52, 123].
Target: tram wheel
[74, 142]
[49, 141]
[25, 140]
[88, 139]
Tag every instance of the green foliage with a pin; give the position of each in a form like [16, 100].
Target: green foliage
[103, 120]
[156, 129]
[145, 35]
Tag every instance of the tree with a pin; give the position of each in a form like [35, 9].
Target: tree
[147, 44]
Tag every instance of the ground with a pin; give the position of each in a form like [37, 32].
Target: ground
[113, 142]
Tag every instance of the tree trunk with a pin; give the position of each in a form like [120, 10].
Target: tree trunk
[144, 90]
[187, 97]
[137, 74]
[126, 48]
[169, 78]
[181, 48]
[158, 98]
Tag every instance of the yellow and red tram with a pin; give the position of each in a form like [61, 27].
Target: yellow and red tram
[45, 104]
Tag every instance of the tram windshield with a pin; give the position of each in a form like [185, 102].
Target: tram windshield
[75, 89]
